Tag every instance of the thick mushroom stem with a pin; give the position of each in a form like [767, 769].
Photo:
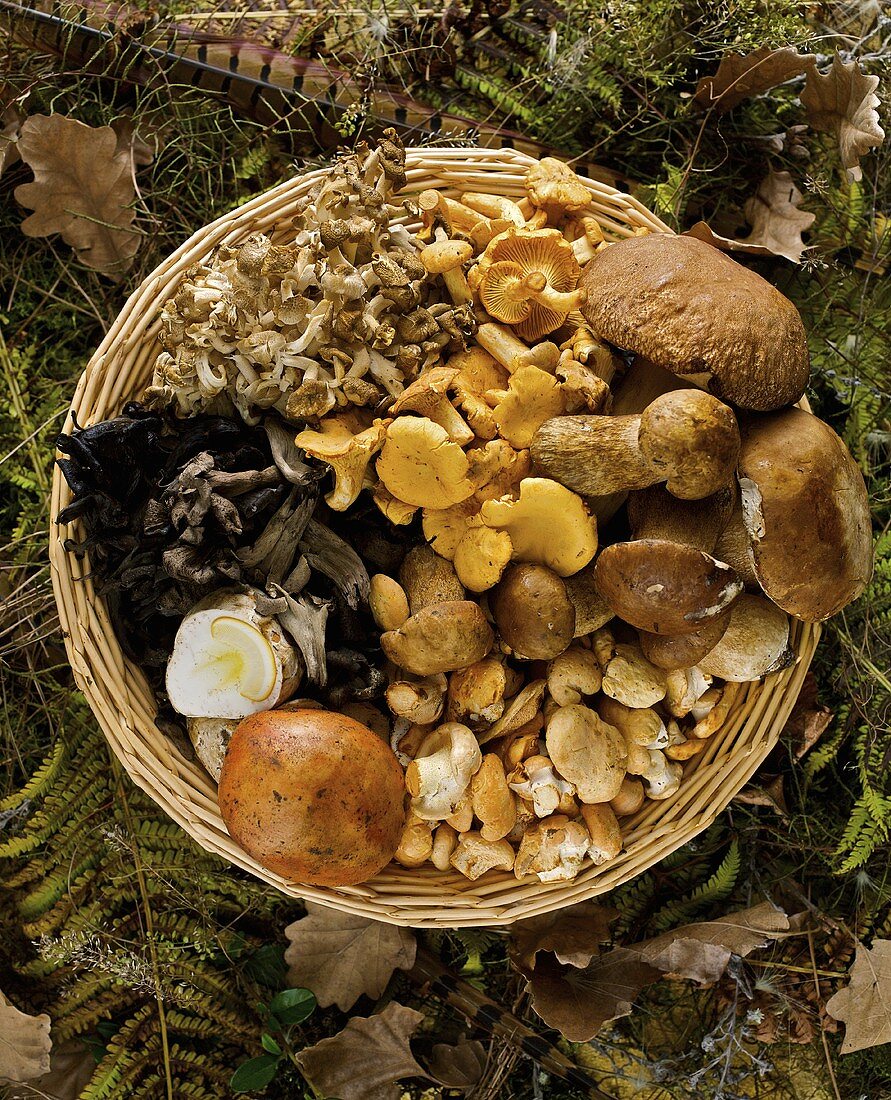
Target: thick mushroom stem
[445, 257]
[501, 343]
[654, 513]
[494, 206]
[686, 438]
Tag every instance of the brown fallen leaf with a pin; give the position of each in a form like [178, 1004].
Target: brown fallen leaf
[776, 221]
[460, 1066]
[578, 1002]
[142, 144]
[82, 189]
[703, 232]
[11, 119]
[573, 934]
[340, 957]
[742, 75]
[843, 102]
[367, 1058]
[25, 1043]
[864, 1005]
[808, 721]
[71, 1066]
[772, 795]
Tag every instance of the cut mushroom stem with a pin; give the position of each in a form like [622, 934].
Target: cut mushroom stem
[686, 438]
[229, 661]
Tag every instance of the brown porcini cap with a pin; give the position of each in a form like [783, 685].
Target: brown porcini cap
[692, 310]
[806, 512]
[664, 587]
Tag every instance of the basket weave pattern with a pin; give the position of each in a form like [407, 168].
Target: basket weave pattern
[124, 704]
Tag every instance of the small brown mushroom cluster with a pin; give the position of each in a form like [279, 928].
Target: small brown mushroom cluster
[523, 743]
[339, 317]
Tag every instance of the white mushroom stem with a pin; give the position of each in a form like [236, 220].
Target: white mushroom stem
[445, 841]
[606, 836]
[661, 775]
[501, 343]
[229, 661]
[536, 781]
[684, 686]
[494, 206]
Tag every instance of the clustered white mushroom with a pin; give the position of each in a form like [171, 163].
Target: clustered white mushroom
[341, 315]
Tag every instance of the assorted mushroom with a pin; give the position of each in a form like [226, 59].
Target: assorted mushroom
[479, 385]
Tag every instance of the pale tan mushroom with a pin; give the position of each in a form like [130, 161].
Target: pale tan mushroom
[419, 701]
[498, 207]
[521, 744]
[573, 674]
[554, 850]
[440, 774]
[473, 856]
[388, 602]
[587, 751]
[684, 686]
[518, 711]
[428, 578]
[446, 258]
[445, 841]
[552, 186]
[629, 799]
[462, 818]
[441, 637]
[476, 694]
[627, 675]
[661, 775]
[640, 726]
[416, 842]
[712, 708]
[494, 804]
[606, 836]
[535, 781]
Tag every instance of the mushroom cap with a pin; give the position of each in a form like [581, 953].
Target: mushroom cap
[672, 651]
[664, 587]
[691, 309]
[313, 796]
[587, 751]
[532, 397]
[553, 186]
[692, 439]
[441, 637]
[533, 613]
[442, 256]
[755, 642]
[420, 465]
[806, 510]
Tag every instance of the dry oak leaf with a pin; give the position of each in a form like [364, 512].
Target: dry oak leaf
[843, 102]
[573, 934]
[702, 231]
[742, 75]
[367, 1058]
[771, 794]
[578, 1002]
[864, 1005]
[340, 956]
[83, 189]
[460, 1066]
[776, 221]
[72, 1066]
[25, 1043]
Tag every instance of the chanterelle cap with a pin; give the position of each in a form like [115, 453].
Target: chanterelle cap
[692, 310]
[806, 512]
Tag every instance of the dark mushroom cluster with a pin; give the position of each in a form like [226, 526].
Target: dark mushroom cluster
[174, 511]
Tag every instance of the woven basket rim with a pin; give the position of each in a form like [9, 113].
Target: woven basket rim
[122, 703]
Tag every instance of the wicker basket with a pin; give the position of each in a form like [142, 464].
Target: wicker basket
[124, 705]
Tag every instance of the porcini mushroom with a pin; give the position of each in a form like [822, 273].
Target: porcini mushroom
[686, 438]
[629, 799]
[547, 524]
[587, 751]
[441, 637]
[440, 774]
[229, 660]
[420, 465]
[427, 578]
[532, 612]
[692, 309]
[806, 514]
[755, 642]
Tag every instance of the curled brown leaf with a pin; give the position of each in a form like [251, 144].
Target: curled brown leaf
[843, 102]
[742, 75]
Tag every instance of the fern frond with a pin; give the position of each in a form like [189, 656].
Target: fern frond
[718, 887]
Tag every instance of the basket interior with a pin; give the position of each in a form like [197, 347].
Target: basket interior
[124, 705]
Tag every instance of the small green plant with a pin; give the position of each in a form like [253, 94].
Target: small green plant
[285, 1012]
